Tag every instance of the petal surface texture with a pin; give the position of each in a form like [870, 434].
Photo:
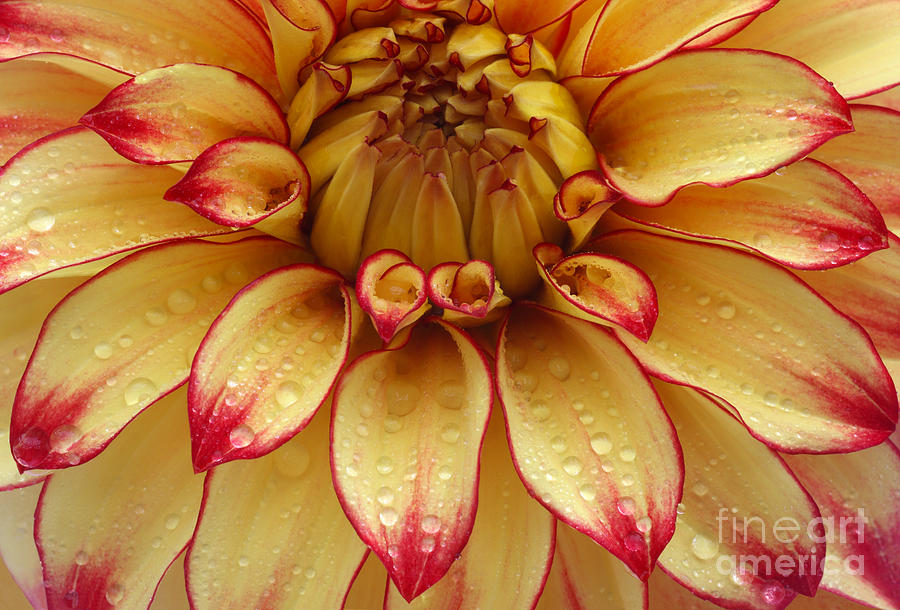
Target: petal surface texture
[294, 549]
[267, 363]
[17, 547]
[139, 494]
[589, 438]
[712, 116]
[104, 355]
[802, 376]
[402, 421]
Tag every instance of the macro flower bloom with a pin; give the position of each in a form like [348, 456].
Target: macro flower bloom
[450, 303]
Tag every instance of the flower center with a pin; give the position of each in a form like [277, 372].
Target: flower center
[445, 141]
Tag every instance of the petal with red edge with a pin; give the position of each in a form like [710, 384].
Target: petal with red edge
[631, 34]
[825, 35]
[735, 491]
[869, 292]
[506, 560]
[597, 288]
[391, 289]
[122, 340]
[589, 437]
[468, 294]
[171, 593]
[267, 363]
[803, 376]
[139, 494]
[581, 201]
[138, 35]
[240, 181]
[17, 547]
[406, 432]
[585, 575]
[175, 113]
[889, 98]
[805, 216]
[749, 113]
[369, 586]
[39, 98]
[24, 311]
[870, 158]
[516, 17]
[301, 32]
[295, 548]
[75, 200]
[858, 494]
[720, 33]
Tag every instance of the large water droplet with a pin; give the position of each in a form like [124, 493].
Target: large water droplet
[385, 496]
[40, 220]
[601, 443]
[103, 350]
[402, 397]
[704, 547]
[726, 310]
[384, 465]
[431, 524]
[559, 368]
[388, 516]
[450, 433]
[140, 390]
[450, 395]
[63, 437]
[572, 465]
[241, 436]
[115, 594]
[181, 302]
[287, 393]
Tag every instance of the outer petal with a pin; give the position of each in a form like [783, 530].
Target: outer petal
[869, 292]
[301, 32]
[406, 435]
[252, 390]
[174, 113]
[858, 494]
[736, 490]
[516, 17]
[17, 543]
[507, 558]
[104, 355]
[631, 34]
[106, 532]
[870, 158]
[585, 576]
[138, 35]
[712, 116]
[589, 438]
[295, 548]
[75, 200]
[805, 215]
[23, 312]
[825, 35]
[802, 376]
[39, 98]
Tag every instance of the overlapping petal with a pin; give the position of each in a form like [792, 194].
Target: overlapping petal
[253, 390]
[301, 31]
[517, 17]
[802, 376]
[407, 427]
[294, 549]
[588, 435]
[711, 116]
[103, 355]
[391, 289]
[139, 494]
[17, 548]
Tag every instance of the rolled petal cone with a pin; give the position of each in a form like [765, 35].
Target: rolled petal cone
[449, 304]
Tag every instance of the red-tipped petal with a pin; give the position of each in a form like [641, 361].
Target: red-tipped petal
[391, 289]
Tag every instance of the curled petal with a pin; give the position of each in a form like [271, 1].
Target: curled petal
[103, 355]
[467, 293]
[581, 201]
[239, 181]
[589, 437]
[406, 433]
[598, 288]
[750, 113]
[805, 216]
[142, 485]
[391, 289]
[325, 87]
[802, 376]
[175, 113]
[252, 390]
[301, 31]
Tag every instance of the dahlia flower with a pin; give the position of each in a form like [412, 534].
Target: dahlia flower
[450, 303]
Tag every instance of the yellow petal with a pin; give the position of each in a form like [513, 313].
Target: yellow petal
[252, 390]
[506, 560]
[75, 200]
[889, 98]
[40, 98]
[325, 87]
[174, 113]
[294, 549]
[391, 289]
[407, 426]
[739, 503]
[805, 215]
[368, 586]
[469, 294]
[171, 593]
[802, 376]
[870, 158]
[711, 116]
[124, 339]
[301, 30]
[17, 548]
[519, 17]
[581, 201]
[107, 531]
[858, 494]
[588, 435]
[137, 35]
[825, 35]
[720, 33]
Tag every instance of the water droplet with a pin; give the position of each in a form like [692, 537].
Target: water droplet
[431, 524]
[726, 310]
[243, 561]
[626, 506]
[385, 496]
[140, 390]
[587, 492]
[644, 524]
[171, 521]
[392, 423]
[830, 242]
[627, 454]
[155, 316]
[712, 371]
[634, 542]
[40, 220]
[732, 96]
[558, 444]
[115, 594]
[103, 350]
[287, 393]
[388, 516]
[601, 443]
[572, 465]
[384, 465]
[559, 368]
[241, 436]
[773, 593]
[700, 489]
[428, 544]
[81, 558]
[450, 395]
[540, 411]
[450, 433]
[63, 437]
[402, 397]
[76, 333]
[181, 302]
[211, 284]
[703, 547]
